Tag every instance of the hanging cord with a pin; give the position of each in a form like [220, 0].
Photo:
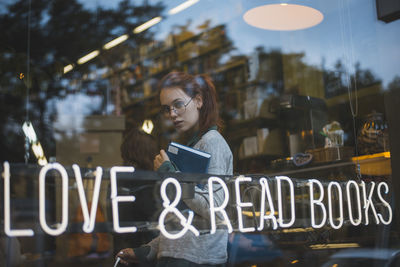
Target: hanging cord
[28, 62]
[28, 78]
[350, 64]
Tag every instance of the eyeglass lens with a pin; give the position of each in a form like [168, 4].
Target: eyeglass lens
[178, 107]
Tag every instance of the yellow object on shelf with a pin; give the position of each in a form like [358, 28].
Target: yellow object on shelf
[374, 164]
[257, 213]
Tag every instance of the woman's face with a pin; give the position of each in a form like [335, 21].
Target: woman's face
[175, 100]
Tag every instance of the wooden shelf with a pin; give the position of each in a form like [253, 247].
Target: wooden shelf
[374, 89]
[267, 157]
[200, 53]
[139, 100]
[375, 164]
[181, 40]
[254, 122]
[231, 65]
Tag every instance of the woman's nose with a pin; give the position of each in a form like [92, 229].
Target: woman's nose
[172, 113]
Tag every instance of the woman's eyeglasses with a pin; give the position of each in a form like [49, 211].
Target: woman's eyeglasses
[179, 107]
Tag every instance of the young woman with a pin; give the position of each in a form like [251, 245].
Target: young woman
[190, 102]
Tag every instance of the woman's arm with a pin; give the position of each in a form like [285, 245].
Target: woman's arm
[154, 244]
[220, 164]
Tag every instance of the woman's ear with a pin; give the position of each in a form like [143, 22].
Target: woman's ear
[199, 101]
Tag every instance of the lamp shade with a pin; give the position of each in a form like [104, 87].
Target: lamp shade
[283, 17]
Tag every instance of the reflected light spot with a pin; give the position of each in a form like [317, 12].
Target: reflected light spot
[88, 57]
[116, 41]
[42, 161]
[38, 150]
[283, 17]
[29, 132]
[148, 126]
[335, 246]
[182, 7]
[147, 25]
[68, 68]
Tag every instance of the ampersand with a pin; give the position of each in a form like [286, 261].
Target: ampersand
[171, 207]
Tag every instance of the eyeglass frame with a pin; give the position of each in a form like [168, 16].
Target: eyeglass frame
[167, 113]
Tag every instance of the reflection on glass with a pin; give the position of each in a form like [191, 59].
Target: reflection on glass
[276, 89]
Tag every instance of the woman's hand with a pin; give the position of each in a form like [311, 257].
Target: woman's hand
[159, 159]
[127, 256]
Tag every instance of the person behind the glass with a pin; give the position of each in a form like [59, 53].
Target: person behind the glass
[138, 149]
[190, 102]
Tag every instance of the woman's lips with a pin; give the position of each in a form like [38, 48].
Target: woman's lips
[178, 123]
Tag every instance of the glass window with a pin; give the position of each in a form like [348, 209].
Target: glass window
[307, 90]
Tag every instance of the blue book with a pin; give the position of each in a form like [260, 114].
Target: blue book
[188, 159]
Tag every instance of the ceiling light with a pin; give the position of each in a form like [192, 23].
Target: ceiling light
[36, 146]
[88, 57]
[283, 17]
[39, 154]
[42, 161]
[116, 41]
[182, 6]
[68, 68]
[148, 126]
[147, 25]
[38, 150]
[29, 132]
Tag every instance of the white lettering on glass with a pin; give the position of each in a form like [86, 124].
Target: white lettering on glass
[340, 204]
[377, 204]
[7, 209]
[88, 220]
[171, 207]
[240, 204]
[389, 220]
[115, 199]
[221, 208]
[279, 180]
[368, 203]
[42, 199]
[263, 216]
[318, 202]
[353, 221]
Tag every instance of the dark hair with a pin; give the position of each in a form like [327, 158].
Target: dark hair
[196, 85]
[138, 149]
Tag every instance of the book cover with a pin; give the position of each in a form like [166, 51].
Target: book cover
[188, 159]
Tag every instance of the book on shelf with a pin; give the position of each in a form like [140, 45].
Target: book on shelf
[188, 159]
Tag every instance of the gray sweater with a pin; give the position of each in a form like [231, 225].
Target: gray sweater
[206, 248]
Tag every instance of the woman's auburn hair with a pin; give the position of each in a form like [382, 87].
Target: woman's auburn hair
[194, 85]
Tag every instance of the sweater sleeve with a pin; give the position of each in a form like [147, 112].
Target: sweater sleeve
[168, 166]
[148, 252]
[154, 244]
[221, 158]
[220, 164]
